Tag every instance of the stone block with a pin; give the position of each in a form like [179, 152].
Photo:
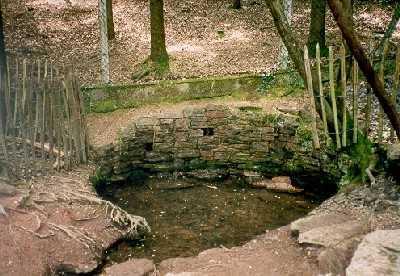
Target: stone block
[187, 153]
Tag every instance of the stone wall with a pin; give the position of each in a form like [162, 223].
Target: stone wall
[212, 141]
[111, 97]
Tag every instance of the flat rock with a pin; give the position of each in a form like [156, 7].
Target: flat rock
[7, 190]
[133, 267]
[377, 254]
[279, 184]
[310, 222]
[329, 236]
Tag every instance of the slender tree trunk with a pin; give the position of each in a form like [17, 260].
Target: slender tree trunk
[237, 4]
[317, 27]
[283, 55]
[104, 54]
[159, 53]
[3, 61]
[110, 21]
[344, 22]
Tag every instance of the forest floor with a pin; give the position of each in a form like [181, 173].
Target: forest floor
[203, 37]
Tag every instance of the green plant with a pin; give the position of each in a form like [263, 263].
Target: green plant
[356, 161]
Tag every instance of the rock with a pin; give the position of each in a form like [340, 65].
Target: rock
[279, 184]
[329, 236]
[310, 222]
[334, 260]
[393, 151]
[377, 254]
[7, 190]
[133, 267]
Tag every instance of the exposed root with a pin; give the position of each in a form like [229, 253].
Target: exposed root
[3, 211]
[36, 234]
[371, 177]
[74, 234]
[135, 225]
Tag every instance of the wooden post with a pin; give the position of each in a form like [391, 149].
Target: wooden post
[355, 101]
[24, 121]
[395, 90]
[321, 93]
[312, 100]
[8, 98]
[3, 141]
[333, 97]
[16, 100]
[105, 63]
[382, 77]
[344, 94]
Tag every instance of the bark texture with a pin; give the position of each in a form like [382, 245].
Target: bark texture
[110, 20]
[345, 24]
[159, 53]
[317, 27]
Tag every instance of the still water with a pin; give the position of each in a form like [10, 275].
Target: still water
[188, 217]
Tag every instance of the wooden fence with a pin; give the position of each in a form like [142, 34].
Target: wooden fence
[44, 114]
[349, 90]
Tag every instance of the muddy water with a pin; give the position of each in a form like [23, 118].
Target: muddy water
[187, 218]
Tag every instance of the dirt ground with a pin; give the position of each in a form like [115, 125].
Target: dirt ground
[203, 37]
[51, 226]
[274, 253]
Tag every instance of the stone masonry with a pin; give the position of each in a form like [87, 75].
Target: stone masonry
[213, 140]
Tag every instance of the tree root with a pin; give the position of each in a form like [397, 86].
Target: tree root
[74, 234]
[370, 176]
[3, 211]
[135, 225]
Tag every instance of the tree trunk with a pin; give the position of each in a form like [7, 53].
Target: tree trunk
[110, 21]
[159, 53]
[104, 54]
[345, 24]
[283, 55]
[3, 61]
[317, 27]
[237, 4]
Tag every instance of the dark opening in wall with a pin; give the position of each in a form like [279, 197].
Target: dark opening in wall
[148, 146]
[208, 131]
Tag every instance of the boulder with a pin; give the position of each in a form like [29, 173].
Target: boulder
[330, 236]
[133, 267]
[377, 254]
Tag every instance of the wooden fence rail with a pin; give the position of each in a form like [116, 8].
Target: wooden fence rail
[348, 98]
[44, 114]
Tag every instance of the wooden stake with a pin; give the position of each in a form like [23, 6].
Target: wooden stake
[321, 93]
[312, 100]
[333, 96]
[382, 77]
[395, 90]
[344, 94]
[355, 101]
